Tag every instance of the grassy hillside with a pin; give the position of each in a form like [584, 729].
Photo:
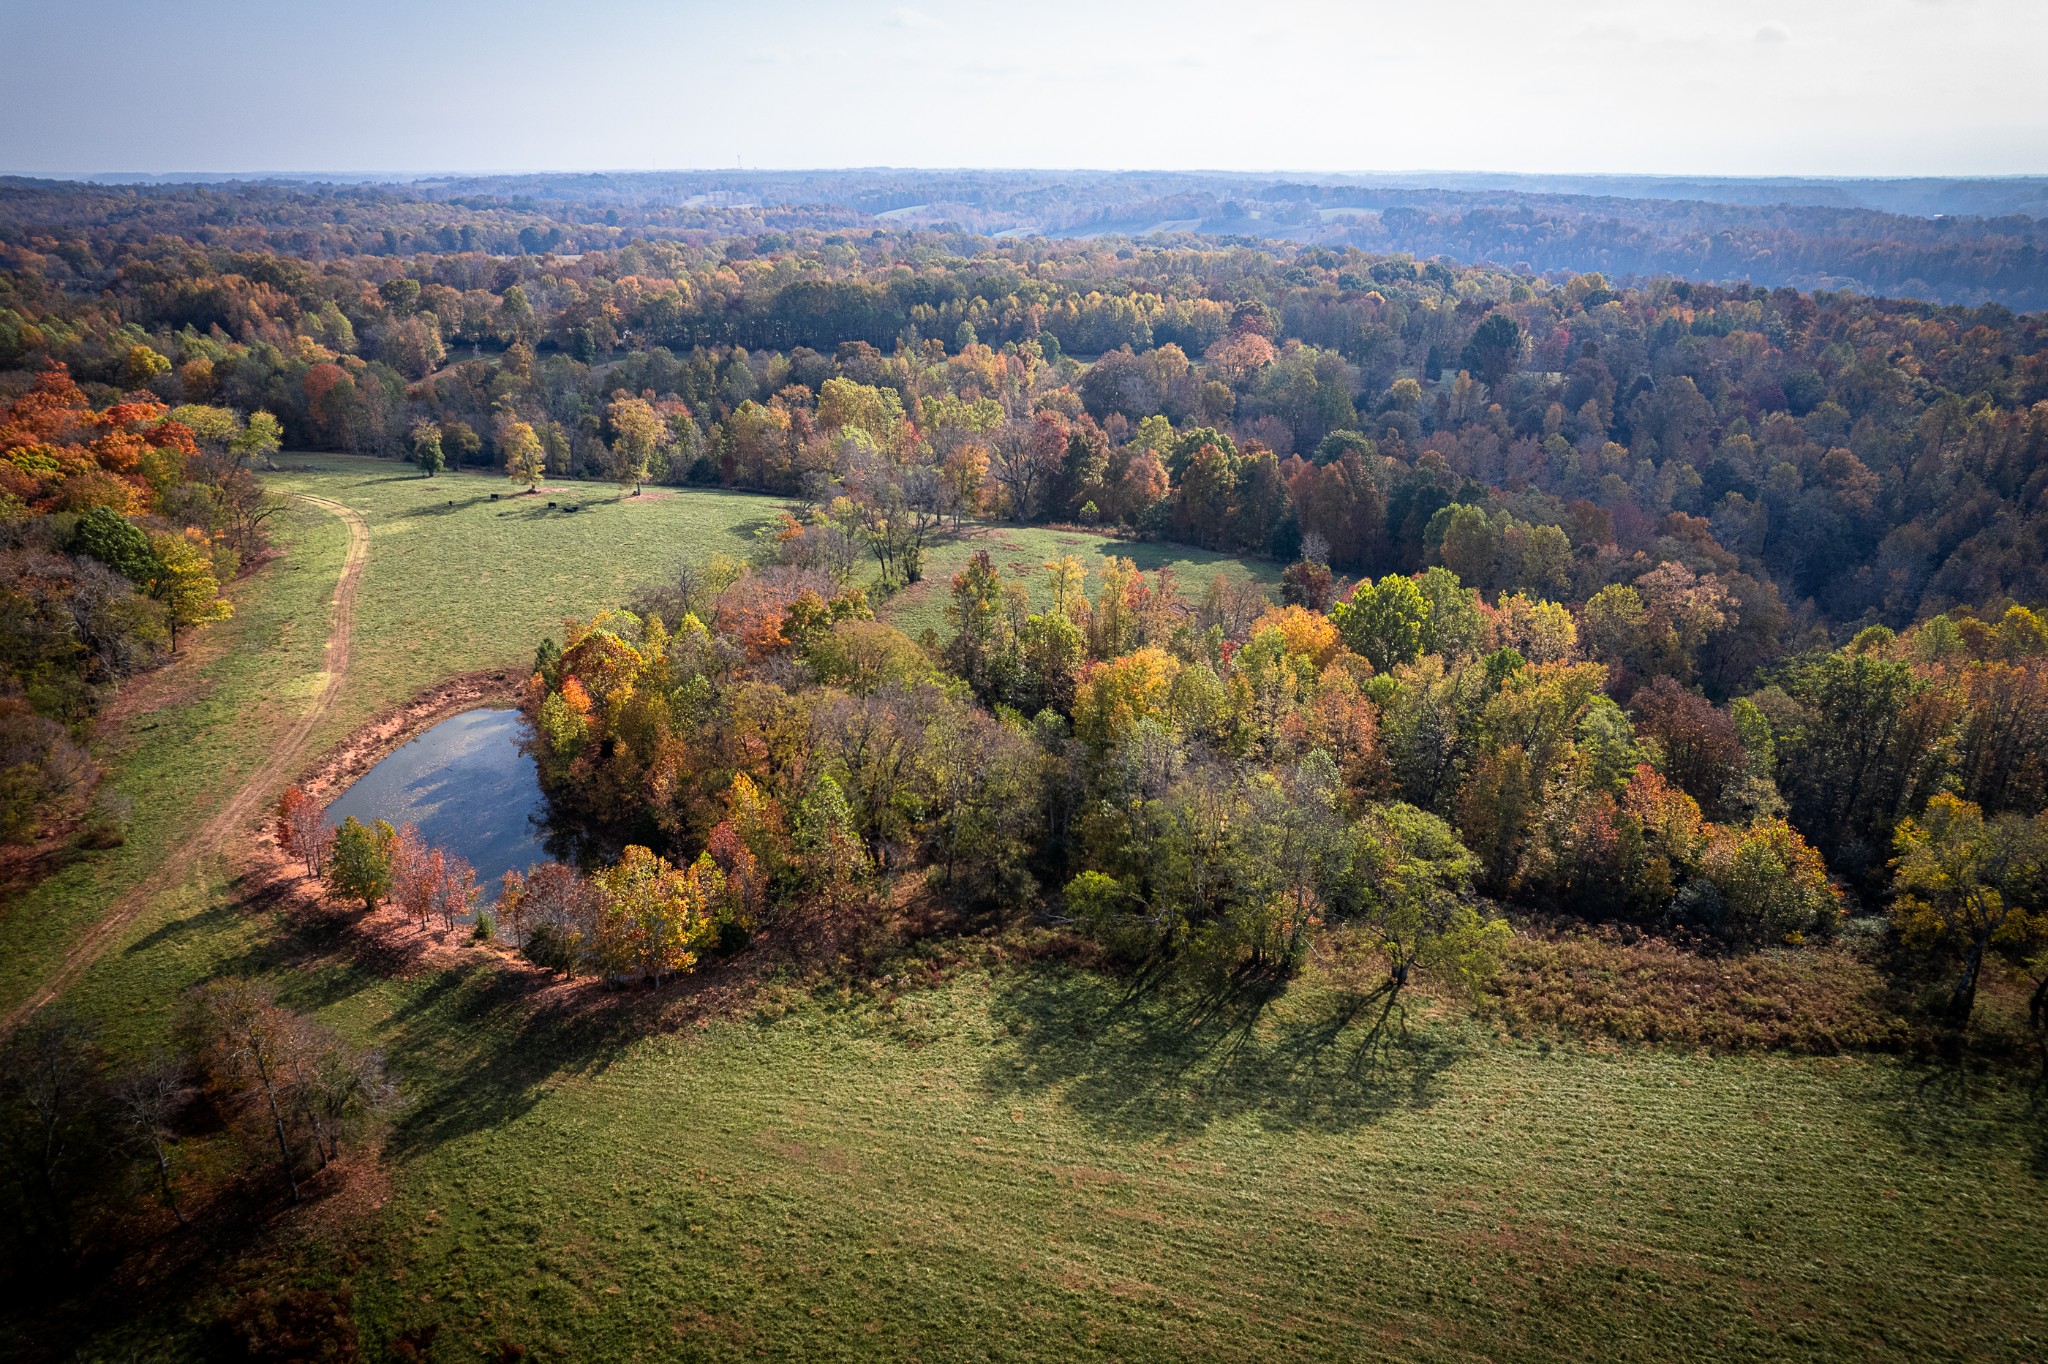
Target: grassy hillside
[1011, 1161]
[181, 740]
[1021, 1162]
[1027, 1165]
[456, 581]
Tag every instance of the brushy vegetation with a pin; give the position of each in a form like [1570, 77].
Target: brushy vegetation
[1571, 981]
[963, 1141]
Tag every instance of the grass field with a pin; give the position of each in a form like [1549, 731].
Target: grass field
[1022, 1163]
[196, 734]
[456, 581]
[1011, 1161]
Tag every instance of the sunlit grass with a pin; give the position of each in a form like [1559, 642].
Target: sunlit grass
[1021, 1161]
[457, 581]
[180, 760]
[1026, 1164]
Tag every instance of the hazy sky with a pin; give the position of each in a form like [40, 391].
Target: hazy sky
[1739, 87]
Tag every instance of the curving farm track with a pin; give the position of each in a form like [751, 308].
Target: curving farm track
[240, 809]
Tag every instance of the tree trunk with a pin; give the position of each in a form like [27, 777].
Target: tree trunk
[1963, 1001]
[284, 1149]
[163, 1179]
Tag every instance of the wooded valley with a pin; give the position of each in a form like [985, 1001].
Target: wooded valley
[1616, 659]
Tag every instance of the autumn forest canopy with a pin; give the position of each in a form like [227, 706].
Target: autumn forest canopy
[1625, 569]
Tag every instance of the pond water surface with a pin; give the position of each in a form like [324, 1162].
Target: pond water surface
[467, 788]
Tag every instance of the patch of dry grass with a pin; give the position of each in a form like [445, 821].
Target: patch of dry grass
[1608, 983]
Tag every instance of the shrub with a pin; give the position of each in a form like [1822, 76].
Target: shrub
[1768, 885]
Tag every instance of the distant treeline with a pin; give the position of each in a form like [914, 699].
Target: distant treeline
[1875, 461]
[1965, 241]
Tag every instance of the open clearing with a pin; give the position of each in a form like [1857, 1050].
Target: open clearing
[1003, 1160]
[458, 582]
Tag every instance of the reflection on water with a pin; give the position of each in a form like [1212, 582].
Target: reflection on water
[467, 787]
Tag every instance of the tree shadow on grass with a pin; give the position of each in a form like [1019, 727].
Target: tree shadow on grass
[478, 1050]
[218, 914]
[1154, 1057]
[1958, 1105]
[474, 1045]
[447, 506]
[749, 530]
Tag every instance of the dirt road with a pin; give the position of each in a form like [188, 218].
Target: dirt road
[243, 807]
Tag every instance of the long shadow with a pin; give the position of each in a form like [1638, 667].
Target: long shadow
[1950, 1106]
[495, 1052]
[1154, 1057]
[215, 916]
[313, 966]
[447, 507]
[472, 1046]
[315, 960]
[747, 530]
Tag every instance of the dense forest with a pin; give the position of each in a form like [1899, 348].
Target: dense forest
[1871, 461]
[1214, 782]
[1568, 562]
[1946, 241]
[1609, 610]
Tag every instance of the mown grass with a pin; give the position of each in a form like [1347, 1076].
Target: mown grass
[1025, 1160]
[178, 760]
[456, 581]
[1029, 1161]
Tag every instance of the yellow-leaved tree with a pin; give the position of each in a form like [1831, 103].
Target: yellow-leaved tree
[1968, 886]
[186, 583]
[526, 460]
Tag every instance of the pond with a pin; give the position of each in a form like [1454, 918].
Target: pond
[467, 787]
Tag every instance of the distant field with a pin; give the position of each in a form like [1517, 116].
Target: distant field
[1011, 1162]
[457, 582]
[1022, 551]
[477, 584]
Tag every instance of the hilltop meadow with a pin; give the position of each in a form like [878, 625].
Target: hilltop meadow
[974, 1134]
[1184, 797]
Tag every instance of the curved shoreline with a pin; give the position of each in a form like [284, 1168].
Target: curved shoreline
[392, 728]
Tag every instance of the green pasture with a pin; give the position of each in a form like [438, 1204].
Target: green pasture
[999, 1161]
